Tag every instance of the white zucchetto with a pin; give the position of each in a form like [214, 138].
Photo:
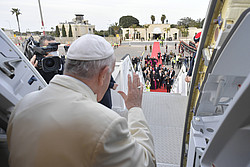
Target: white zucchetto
[90, 47]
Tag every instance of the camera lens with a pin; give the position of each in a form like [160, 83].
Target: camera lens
[50, 63]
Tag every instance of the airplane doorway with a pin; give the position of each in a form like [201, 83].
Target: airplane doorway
[156, 36]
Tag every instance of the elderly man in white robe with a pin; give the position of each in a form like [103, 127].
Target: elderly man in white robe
[63, 125]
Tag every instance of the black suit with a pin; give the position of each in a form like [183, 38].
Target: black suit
[172, 74]
[168, 85]
[157, 70]
[160, 76]
[153, 78]
[106, 100]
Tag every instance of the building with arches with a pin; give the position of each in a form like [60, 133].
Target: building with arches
[159, 31]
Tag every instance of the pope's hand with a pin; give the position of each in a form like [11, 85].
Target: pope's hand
[135, 90]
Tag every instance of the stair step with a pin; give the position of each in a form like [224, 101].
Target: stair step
[165, 114]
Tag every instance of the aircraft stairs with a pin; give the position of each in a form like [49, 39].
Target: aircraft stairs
[165, 114]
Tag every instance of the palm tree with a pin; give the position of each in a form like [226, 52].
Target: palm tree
[17, 12]
[146, 27]
[167, 30]
[153, 19]
[116, 28]
[184, 30]
[163, 17]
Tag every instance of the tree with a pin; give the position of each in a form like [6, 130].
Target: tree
[173, 26]
[57, 33]
[184, 30]
[146, 28]
[163, 17]
[52, 31]
[70, 31]
[127, 21]
[63, 31]
[111, 31]
[153, 19]
[116, 28]
[189, 22]
[200, 23]
[101, 33]
[17, 12]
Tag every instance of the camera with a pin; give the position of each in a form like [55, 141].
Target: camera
[47, 64]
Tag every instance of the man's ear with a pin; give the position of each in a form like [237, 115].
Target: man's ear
[102, 75]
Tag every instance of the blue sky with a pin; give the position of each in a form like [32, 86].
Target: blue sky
[99, 12]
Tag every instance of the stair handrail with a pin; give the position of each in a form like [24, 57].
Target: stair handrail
[180, 86]
[123, 68]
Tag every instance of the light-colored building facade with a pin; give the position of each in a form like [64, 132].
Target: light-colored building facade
[79, 26]
[158, 31]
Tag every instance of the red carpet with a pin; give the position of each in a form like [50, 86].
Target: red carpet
[155, 51]
[159, 90]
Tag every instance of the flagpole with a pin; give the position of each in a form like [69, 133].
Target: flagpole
[41, 17]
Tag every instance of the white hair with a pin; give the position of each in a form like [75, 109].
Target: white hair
[88, 69]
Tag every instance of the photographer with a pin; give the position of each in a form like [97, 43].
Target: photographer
[43, 42]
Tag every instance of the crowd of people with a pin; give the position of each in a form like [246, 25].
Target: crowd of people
[159, 72]
[158, 77]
